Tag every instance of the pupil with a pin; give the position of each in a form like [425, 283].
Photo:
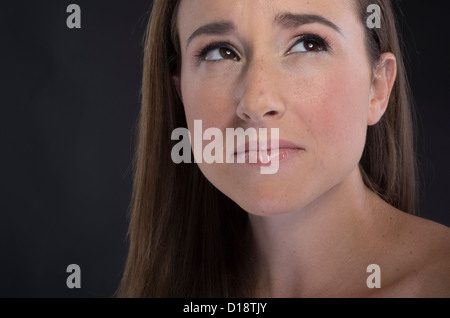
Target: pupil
[313, 46]
[226, 53]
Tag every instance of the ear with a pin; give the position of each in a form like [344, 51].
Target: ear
[177, 81]
[382, 83]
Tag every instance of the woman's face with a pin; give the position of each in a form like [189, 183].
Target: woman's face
[297, 65]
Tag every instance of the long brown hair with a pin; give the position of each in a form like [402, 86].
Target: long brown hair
[189, 240]
[388, 163]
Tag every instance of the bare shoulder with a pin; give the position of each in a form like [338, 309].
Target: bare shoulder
[432, 231]
[435, 274]
[425, 246]
[433, 237]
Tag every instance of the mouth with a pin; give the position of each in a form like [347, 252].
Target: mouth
[267, 152]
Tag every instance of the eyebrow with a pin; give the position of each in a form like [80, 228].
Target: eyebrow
[215, 28]
[290, 21]
[285, 20]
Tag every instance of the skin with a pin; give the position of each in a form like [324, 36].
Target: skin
[316, 226]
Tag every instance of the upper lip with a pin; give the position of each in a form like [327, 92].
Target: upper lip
[253, 146]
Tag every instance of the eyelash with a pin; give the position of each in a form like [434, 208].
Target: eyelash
[201, 54]
[323, 42]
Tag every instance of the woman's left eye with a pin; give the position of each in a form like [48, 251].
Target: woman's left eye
[309, 44]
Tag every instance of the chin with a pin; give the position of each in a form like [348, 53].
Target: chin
[267, 208]
[267, 202]
[263, 195]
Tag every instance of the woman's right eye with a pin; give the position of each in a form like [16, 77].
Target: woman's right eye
[217, 53]
[222, 53]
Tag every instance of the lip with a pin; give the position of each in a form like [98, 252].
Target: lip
[266, 154]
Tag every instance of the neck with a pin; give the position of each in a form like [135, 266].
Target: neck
[295, 251]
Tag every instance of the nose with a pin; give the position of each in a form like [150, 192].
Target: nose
[260, 94]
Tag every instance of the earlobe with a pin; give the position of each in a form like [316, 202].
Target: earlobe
[177, 82]
[382, 83]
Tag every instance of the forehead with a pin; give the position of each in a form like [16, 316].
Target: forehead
[257, 13]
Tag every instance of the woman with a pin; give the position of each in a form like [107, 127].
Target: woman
[344, 195]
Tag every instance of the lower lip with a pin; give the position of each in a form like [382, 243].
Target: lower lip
[265, 159]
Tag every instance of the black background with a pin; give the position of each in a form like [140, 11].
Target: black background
[69, 104]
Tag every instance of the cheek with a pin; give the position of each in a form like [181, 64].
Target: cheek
[209, 100]
[204, 100]
[335, 111]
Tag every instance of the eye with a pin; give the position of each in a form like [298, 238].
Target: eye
[309, 43]
[217, 52]
[222, 53]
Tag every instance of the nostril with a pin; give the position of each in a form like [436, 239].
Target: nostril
[271, 113]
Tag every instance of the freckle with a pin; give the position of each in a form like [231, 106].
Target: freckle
[398, 269]
[382, 236]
